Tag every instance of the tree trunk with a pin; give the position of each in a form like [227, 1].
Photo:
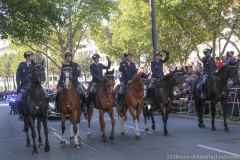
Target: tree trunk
[214, 43]
[14, 85]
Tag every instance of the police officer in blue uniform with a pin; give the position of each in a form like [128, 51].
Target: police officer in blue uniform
[75, 74]
[157, 72]
[209, 67]
[97, 75]
[128, 71]
[24, 75]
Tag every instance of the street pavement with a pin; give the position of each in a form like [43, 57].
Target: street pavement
[185, 141]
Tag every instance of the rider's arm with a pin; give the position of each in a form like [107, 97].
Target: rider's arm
[204, 59]
[108, 66]
[77, 73]
[134, 72]
[166, 58]
[60, 80]
[18, 76]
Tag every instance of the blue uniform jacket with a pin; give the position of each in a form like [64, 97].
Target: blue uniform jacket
[209, 65]
[128, 71]
[157, 67]
[96, 71]
[75, 74]
[24, 72]
[232, 60]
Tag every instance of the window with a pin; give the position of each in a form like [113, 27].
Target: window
[50, 78]
[55, 78]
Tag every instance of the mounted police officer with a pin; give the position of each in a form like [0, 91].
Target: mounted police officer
[75, 74]
[128, 71]
[23, 77]
[97, 75]
[209, 67]
[157, 72]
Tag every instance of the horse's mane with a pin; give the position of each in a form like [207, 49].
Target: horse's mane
[169, 75]
[137, 76]
[221, 69]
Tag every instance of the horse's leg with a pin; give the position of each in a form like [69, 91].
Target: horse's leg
[47, 147]
[224, 108]
[26, 129]
[89, 112]
[32, 126]
[199, 108]
[139, 109]
[102, 125]
[145, 119]
[166, 113]
[111, 114]
[71, 133]
[213, 112]
[63, 119]
[135, 120]
[78, 122]
[164, 118]
[153, 121]
[75, 128]
[39, 133]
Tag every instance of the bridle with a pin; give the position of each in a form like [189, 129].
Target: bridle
[109, 85]
[41, 68]
[67, 70]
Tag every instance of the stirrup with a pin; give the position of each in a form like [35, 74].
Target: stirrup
[203, 95]
[21, 118]
[91, 105]
[84, 109]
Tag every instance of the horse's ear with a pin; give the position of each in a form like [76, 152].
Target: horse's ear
[42, 62]
[113, 70]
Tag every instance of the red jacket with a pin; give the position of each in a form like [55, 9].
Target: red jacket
[219, 64]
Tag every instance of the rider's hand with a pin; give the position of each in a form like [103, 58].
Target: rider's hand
[164, 51]
[108, 59]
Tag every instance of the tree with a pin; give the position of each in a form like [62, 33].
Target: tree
[27, 20]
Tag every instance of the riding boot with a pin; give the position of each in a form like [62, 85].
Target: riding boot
[84, 108]
[147, 101]
[19, 108]
[91, 97]
[120, 97]
[203, 95]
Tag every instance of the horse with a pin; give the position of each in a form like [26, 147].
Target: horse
[216, 90]
[35, 105]
[104, 102]
[69, 102]
[163, 97]
[135, 92]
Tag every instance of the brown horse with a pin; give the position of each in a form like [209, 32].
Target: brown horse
[70, 103]
[135, 93]
[104, 102]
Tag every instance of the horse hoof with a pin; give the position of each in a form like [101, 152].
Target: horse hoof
[40, 145]
[71, 138]
[153, 127]
[79, 138]
[146, 129]
[138, 137]
[77, 146]
[166, 134]
[105, 140]
[89, 135]
[214, 129]
[46, 148]
[123, 133]
[111, 137]
[201, 125]
[62, 143]
[34, 152]
[28, 145]
[226, 130]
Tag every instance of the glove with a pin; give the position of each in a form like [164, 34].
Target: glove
[108, 59]
[164, 51]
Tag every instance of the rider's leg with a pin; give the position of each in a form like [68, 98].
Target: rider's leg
[19, 104]
[203, 94]
[91, 95]
[149, 91]
[57, 98]
[120, 95]
[81, 93]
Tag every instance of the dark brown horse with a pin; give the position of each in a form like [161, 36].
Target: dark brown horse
[135, 93]
[163, 97]
[70, 103]
[104, 102]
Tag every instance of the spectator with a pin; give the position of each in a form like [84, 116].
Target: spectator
[231, 58]
[218, 62]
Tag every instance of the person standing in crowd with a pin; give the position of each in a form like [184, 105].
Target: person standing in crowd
[219, 64]
[231, 58]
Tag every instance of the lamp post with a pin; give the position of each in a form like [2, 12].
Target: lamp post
[70, 27]
[153, 22]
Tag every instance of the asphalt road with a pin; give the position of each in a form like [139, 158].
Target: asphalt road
[185, 140]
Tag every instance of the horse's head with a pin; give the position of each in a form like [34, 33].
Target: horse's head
[142, 79]
[67, 77]
[109, 80]
[178, 78]
[233, 71]
[39, 72]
